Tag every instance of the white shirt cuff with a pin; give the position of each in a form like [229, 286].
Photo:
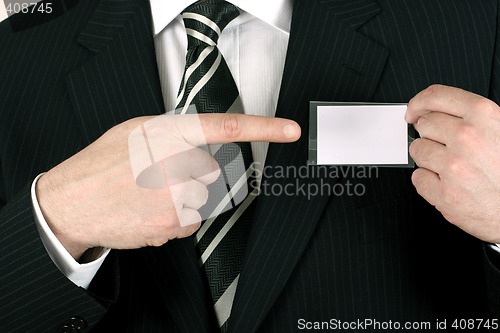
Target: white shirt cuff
[79, 274]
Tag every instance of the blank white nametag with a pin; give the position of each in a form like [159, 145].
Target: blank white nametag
[359, 134]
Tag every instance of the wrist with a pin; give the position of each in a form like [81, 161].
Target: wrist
[53, 206]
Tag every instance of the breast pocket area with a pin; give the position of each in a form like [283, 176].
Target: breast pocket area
[385, 220]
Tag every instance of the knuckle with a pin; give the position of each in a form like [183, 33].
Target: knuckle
[195, 222]
[160, 235]
[214, 167]
[455, 168]
[486, 106]
[231, 126]
[199, 202]
[411, 104]
[160, 224]
[157, 242]
[196, 219]
[132, 122]
[271, 131]
[210, 177]
[205, 194]
[192, 225]
[432, 90]
[467, 135]
[191, 229]
[178, 194]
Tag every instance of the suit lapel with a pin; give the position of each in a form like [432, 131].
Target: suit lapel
[327, 60]
[119, 82]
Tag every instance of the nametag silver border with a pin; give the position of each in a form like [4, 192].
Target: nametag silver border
[313, 134]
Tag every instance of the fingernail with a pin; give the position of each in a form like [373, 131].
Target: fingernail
[291, 131]
[407, 116]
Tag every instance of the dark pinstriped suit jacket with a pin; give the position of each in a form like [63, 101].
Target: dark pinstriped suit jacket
[386, 255]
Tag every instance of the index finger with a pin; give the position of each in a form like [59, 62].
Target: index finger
[438, 98]
[227, 128]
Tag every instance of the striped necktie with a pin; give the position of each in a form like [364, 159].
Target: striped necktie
[208, 85]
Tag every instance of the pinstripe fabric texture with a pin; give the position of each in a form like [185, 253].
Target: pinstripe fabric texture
[385, 255]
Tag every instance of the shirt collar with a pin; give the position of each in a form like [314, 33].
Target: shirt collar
[277, 13]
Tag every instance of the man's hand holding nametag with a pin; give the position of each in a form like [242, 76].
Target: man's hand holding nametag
[459, 157]
[92, 199]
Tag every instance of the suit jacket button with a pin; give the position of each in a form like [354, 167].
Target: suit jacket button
[69, 329]
[77, 323]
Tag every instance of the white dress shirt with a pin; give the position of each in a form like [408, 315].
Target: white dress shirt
[254, 46]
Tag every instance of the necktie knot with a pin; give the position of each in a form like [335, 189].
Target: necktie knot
[205, 20]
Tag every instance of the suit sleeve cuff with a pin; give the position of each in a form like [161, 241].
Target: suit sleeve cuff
[80, 274]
